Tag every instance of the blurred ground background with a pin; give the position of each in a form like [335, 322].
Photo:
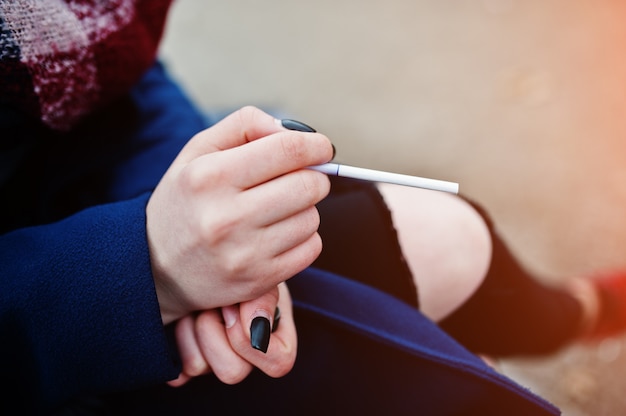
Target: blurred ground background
[521, 102]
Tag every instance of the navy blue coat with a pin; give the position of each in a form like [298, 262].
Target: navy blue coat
[79, 315]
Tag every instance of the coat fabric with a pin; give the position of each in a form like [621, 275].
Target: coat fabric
[78, 307]
[361, 351]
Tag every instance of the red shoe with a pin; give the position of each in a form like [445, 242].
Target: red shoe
[610, 304]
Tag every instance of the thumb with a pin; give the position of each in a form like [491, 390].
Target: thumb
[244, 125]
[276, 357]
[258, 316]
[255, 318]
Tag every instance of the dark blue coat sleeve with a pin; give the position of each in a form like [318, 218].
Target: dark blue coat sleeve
[78, 308]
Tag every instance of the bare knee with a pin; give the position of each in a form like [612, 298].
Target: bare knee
[446, 244]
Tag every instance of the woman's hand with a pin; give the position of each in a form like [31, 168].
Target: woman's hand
[235, 213]
[219, 342]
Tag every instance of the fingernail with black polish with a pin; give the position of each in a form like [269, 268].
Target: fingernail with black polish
[300, 126]
[276, 319]
[260, 333]
[296, 125]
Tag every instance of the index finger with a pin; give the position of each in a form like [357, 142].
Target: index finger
[274, 156]
[243, 126]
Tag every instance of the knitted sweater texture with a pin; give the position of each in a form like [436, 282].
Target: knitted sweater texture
[62, 59]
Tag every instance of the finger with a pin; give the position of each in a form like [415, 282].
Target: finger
[225, 363]
[257, 316]
[294, 260]
[285, 265]
[285, 196]
[286, 315]
[283, 236]
[279, 154]
[281, 350]
[244, 125]
[193, 361]
[262, 160]
[180, 381]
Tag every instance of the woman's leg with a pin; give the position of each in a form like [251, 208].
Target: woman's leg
[360, 241]
[445, 242]
[471, 283]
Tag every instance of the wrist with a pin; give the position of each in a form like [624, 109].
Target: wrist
[168, 304]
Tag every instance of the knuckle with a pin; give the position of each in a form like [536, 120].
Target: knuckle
[219, 227]
[237, 262]
[312, 251]
[246, 117]
[248, 111]
[235, 267]
[313, 185]
[192, 179]
[232, 374]
[306, 254]
[309, 222]
[283, 366]
[195, 366]
[196, 177]
[315, 246]
[248, 276]
[216, 229]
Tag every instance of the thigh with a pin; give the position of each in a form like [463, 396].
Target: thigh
[446, 244]
[360, 240]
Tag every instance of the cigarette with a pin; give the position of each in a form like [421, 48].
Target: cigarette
[387, 177]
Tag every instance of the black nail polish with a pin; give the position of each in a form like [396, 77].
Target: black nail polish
[276, 319]
[300, 126]
[297, 126]
[260, 333]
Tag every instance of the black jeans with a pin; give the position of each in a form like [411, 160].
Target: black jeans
[511, 313]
